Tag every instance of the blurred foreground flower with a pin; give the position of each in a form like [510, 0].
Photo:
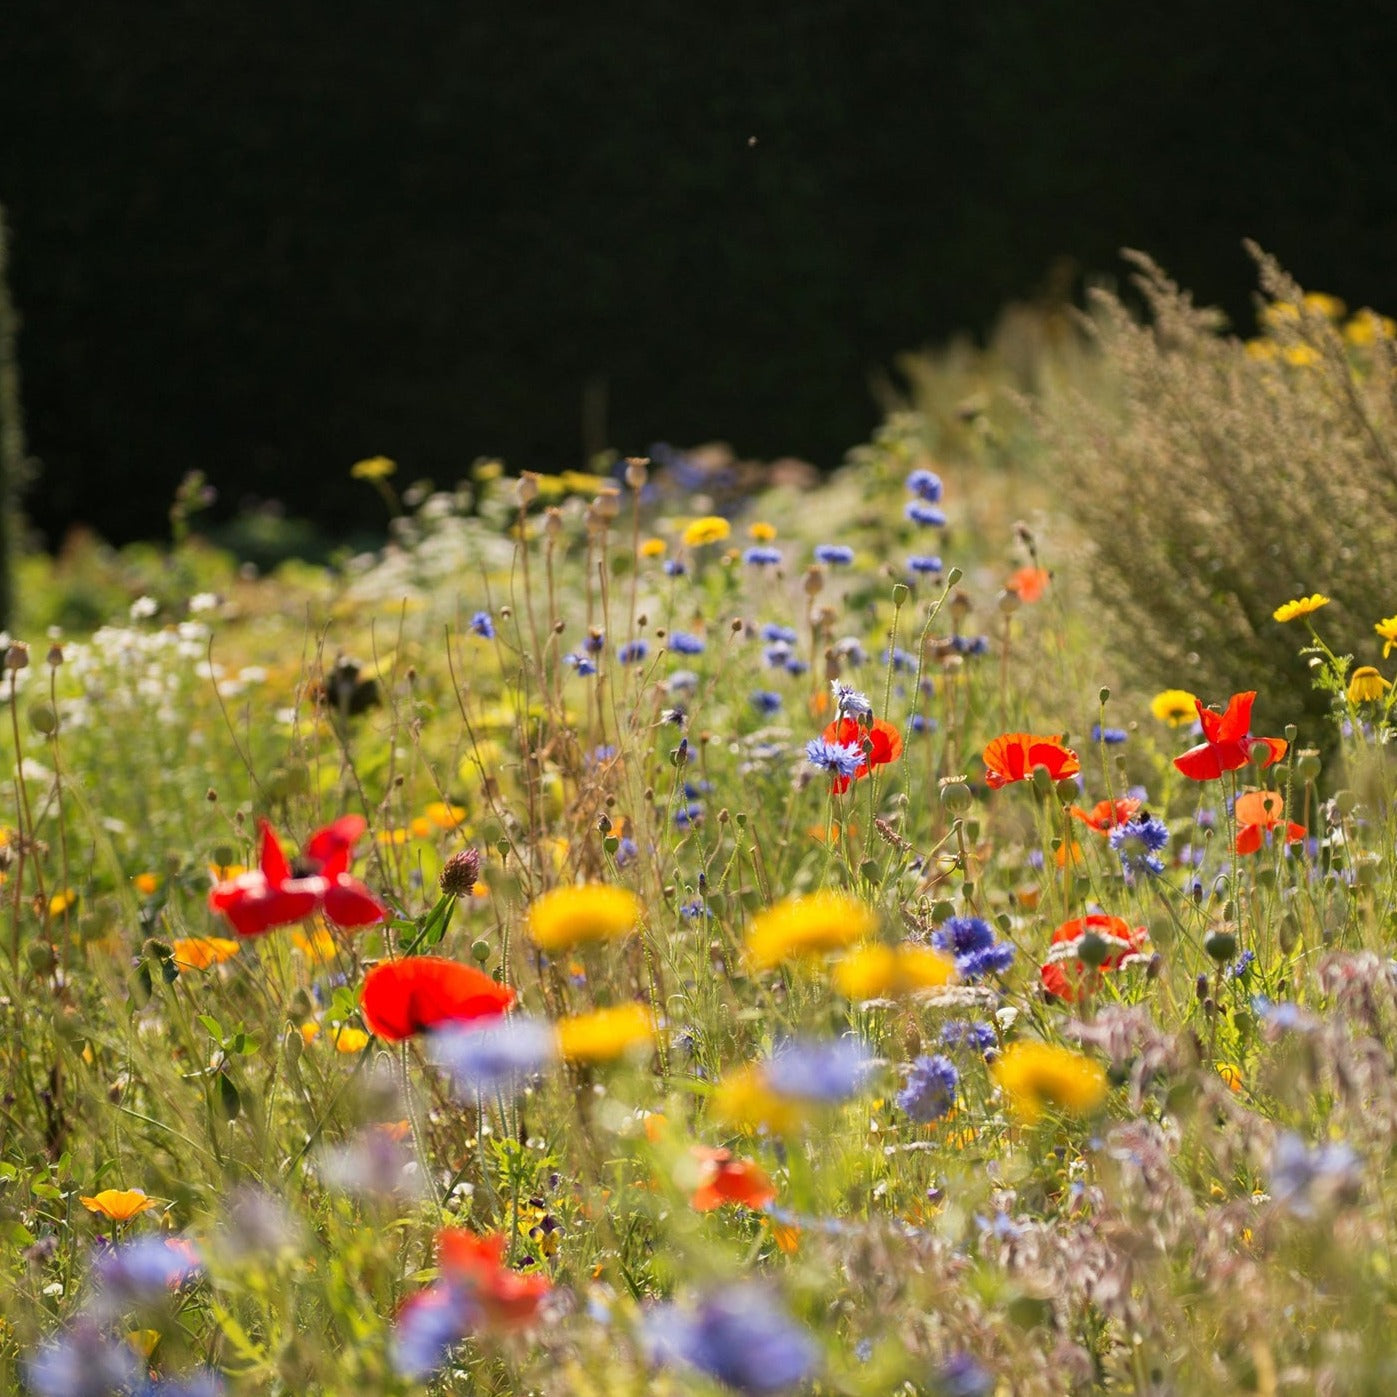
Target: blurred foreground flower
[1015, 755]
[1306, 1180]
[807, 926]
[504, 1297]
[589, 912]
[605, 1034]
[494, 1058]
[1085, 947]
[1035, 1077]
[276, 894]
[890, 972]
[741, 1337]
[723, 1179]
[801, 1076]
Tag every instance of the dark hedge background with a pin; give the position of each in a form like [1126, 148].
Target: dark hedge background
[266, 241]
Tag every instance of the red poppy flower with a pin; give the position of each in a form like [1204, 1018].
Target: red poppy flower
[1258, 813]
[1029, 584]
[477, 1265]
[881, 743]
[1227, 742]
[1013, 757]
[403, 997]
[1067, 977]
[729, 1180]
[1105, 815]
[276, 894]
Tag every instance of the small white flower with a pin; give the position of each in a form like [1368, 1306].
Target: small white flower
[203, 601]
[143, 608]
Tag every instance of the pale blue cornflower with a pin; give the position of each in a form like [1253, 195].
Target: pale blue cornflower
[839, 758]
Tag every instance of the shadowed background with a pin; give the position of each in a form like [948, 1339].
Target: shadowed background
[266, 241]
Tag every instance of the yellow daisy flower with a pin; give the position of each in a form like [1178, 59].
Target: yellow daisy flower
[589, 912]
[1175, 707]
[605, 1034]
[708, 528]
[807, 926]
[373, 468]
[761, 531]
[1366, 685]
[1037, 1076]
[653, 548]
[1387, 629]
[889, 972]
[1301, 606]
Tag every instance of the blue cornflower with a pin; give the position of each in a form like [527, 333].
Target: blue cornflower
[675, 567]
[694, 909]
[925, 485]
[850, 650]
[1138, 843]
[688, 815]
[840, 758]
[627, 851]
[962, 1033]
[82, 1362]
[496, 1057]
[142, 1270]
[927, 515]
[834, 554]
[972, 941]
[931, 1089]
[483, 625]
[849, 703]
[919, 723]
[684, 644]
[970, 644]
[1112, 737]
[765, 701]
[777, 653]
[682, 681]
[1239, 968]
[203, 1383]
[633, 652]
[795, 665]
[1305, 1179]
[741, 1337]
[762, 555]
[773, 634]
[599, 756]
[595, 642]
[962, 1376]
[818, 1069]
[923, 563]
[902, 661]
[428, 1325]
[581, 663]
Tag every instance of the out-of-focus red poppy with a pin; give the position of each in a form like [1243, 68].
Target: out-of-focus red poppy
[1029, 584]
[419, 993]
[476, 1264]
[881, 743]
[276, 893]
[1227, 741]
[729, 1180]
[1258, 813]
[1013, 756]
[1067, 976]
[1105, 815]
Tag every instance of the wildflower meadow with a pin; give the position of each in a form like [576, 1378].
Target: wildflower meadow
[645, 931]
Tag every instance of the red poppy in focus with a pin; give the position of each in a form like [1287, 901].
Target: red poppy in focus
[1029, 584]
[880, 744]
[1013, 757]
[1258, 813]
[476, 1264]
[1105, 815]
[1227, 741]
[403, 997]
[729, 1180]
[276, 893]
[1067, 976]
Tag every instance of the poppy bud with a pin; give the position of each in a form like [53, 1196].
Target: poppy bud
[526, 491]
[17, 656]
[637, 471]
[1092, 949]
[1307, 764]
[55, 655]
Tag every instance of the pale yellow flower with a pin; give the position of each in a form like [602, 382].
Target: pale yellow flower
[761, 531]
[889, 972]
[605, 1034]
[1175, 707]
[807, 926]
[590, 912]
[1366, 685]
[373, 468]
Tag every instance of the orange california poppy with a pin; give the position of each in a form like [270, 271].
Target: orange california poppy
[1067, 977]
[408, 996]
[1029, 584]
[1227, 741]
[881, 743]
[477, 1264]
[1105, 815]
[1013, 757]
[1258, 813]
[729, 1180]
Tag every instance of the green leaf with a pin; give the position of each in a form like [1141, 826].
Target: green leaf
[229, 1101]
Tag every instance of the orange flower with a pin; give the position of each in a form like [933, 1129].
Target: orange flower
[119, 1204]
[477, 1264]
[881, 743]
[1227, 741]
[1105, 815]
[200, 952]
[1029, 584]
[1067, 977]
[1014, 756]
[729, 1180]
[1258, 813]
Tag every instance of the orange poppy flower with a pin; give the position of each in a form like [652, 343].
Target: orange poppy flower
[880, 744]
[1067, 977]
[477, 1264]
[1013, 757]
[119, 1204]
[1227, 741]
[729, 1180]
[404, 997]
[1029, 584]
[1105, 815]
[1258, 813]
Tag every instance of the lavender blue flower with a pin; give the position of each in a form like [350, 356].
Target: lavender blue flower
[902, 661]
[818, 1069]
[774, 634]
[82, 1361]
[980, 1037]
[683, 643]
[930, 1091]
[428, 1325]
[926, 515]
[925, 485]
[921, 723]
[495, 1057]
[633, 652]
[920, 564]
[972, 941]
[483, 625]
[1112, 737]
[762, 555]
[849, 703]
[765, 701]
[742, 1338]
[143, 1270]
[834, 554]
[1138, 843]
[839, 758]
[1306, 1180]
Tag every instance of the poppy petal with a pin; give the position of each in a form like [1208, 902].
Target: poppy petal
[349, 903]
[401, 998]
[1200, 763]
[1236, 720]
[273, 862]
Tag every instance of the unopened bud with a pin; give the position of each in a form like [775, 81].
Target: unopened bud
[526, 491]
[637, 471]
[55, 655]
[17, 656]
[814, 581]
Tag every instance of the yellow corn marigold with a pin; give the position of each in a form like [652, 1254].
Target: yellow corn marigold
[373, 468]
[744, 1101]
[605, 1034]
[1036, 1077]
[889, 972]
[1175, 707]
[200, 952]
[1301, 606]
[1387, 629]
[589, 912]
[1366, 685]
[709, 528]
[807, 926]
[761, 531]
[653, 548]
